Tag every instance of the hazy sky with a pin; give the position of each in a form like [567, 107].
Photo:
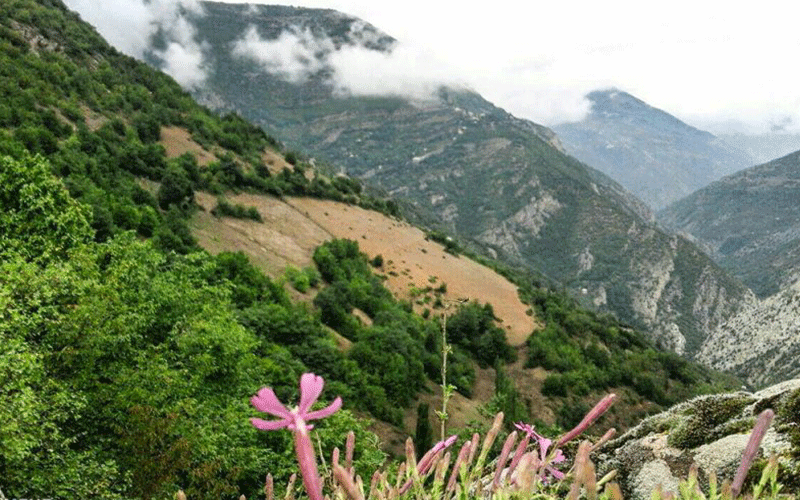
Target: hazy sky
[707, 62]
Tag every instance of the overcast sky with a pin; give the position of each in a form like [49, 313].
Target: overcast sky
[710, 63]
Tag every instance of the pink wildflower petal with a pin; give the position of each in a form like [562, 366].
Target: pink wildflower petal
[558, 458]
[310, 389]
[267, 402]
[427, 460]
[526, 428]
[544, 444]
[328, 410]
[599, 409]
[269, 425]
[555, 473]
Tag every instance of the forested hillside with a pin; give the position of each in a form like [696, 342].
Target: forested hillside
[128, 354]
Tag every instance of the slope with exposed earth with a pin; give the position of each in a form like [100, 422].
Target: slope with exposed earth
[294, 227]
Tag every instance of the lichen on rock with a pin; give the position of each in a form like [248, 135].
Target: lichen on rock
[709, 431]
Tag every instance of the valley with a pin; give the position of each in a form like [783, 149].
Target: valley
[168, 252]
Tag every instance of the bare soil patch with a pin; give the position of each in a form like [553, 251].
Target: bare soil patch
[293, 228]
[286, 237]
[274, 161]
[412, 262]
[177, 141]
[93, 120]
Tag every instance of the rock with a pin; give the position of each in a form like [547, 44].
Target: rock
[761, 343]
[711, 432]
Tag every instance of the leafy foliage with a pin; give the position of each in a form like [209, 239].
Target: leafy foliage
[39, 219]
[125, 371]
[473, 328]
[225, 208]
[587, 352]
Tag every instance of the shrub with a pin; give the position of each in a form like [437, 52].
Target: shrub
[225, 208]
[176, 189]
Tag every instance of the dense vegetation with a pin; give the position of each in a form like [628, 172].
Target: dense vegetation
[127, 354]
[587, 352]
[126, 360]
[125, 371]
[98, 116]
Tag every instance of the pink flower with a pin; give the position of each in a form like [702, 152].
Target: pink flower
[599, 409]
[750, 452]
[295, 420]
[544, 445]
[427, 459]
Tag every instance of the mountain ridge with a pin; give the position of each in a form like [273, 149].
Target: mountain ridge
[749, 222]
[128, 354]
[652, 153]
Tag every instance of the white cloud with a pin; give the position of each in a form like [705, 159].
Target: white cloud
[709, 63]
[353, 68]
[405, 71]
[295, 55]
[131, 24]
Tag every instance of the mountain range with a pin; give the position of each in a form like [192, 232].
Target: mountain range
[152, 253]
[149, 288]
[503, 185]
[749, 222]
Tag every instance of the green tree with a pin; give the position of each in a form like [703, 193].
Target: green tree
[423, 435]
[38, 218]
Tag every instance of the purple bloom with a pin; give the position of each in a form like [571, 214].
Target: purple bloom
[295, 420]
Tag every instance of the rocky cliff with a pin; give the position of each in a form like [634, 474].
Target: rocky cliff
[761, 343]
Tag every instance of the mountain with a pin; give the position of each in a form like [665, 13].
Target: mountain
[653, 154]
[502, 184]
[749, 222]
[761, 343]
